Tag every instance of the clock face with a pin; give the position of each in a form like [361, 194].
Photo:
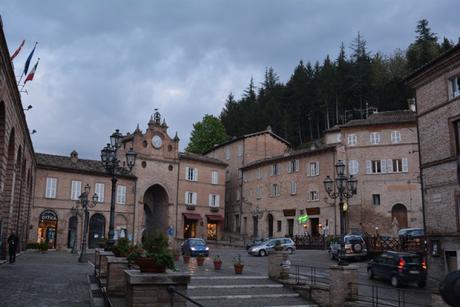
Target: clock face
[157, 141]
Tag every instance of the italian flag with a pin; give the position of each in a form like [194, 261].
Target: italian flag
[30, 76]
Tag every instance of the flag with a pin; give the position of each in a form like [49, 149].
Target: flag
[30, 76]
[26, 66]
[18, 50]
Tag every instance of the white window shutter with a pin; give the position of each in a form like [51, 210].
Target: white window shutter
[309, 195]
[389, 166]
[195, 174]
[186, 198]
[405, 165]
[317, 168]
[383, 166]
[194, 198]
[356, 163]
[308, 169]
[297, 165]
[289, 167]
[368, 167]
[217, 200]
[186, 172]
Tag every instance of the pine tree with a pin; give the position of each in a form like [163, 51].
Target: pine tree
[425, 48]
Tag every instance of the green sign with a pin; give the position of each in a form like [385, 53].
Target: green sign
[303, 219]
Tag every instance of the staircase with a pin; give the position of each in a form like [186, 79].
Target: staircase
[242, 290]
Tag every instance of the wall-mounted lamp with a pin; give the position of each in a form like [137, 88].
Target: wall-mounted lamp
[28, 107]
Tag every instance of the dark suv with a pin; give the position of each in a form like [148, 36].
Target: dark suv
[350, 247]
[399, 267]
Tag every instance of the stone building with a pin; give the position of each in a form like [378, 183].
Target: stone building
[17, 161]
[382, 153]
[437, 87]
[59, 182]
[237, 153]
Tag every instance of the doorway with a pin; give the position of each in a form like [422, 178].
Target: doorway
[255, 228]
[399, 211]
[47, 228]
[156, 208]
[290, 227]
[72, 232]
[96, 230]
[314, 226]
[270, 226]
[190, 227]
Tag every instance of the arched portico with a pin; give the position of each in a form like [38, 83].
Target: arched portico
[156, 208]
[399, 211]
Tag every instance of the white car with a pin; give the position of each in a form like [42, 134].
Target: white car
[265, 247]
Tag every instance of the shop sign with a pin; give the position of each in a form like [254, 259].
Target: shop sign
[48, 216]
[303, 219]
[313, 211]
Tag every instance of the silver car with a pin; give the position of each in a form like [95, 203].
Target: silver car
[265, 247]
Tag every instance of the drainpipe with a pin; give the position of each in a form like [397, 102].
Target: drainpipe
[134, 211]
[421, 175]
[177, 198]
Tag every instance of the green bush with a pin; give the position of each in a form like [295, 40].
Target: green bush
[122, 248]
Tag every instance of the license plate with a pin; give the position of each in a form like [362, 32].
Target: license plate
[414, 272]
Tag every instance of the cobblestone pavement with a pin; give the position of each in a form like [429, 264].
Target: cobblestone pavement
[54, 279]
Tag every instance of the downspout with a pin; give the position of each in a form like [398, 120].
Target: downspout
[421, 176]
[177, 197]
[134, 209]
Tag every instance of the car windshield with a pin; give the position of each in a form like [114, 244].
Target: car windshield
[353, 239]
[412, 259]
[197, 243]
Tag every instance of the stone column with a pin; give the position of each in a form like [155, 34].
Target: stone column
[343, 284]
[150, 289]
[116, 278]
[278, 265]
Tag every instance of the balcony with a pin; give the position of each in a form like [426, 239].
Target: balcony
[190, 207]
[214, 209]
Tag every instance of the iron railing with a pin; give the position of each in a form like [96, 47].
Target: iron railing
[309, 275]
[310, 242]
[373, 295]
[173, 291]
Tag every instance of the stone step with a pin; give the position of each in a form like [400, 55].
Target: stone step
[254, 302]
[232, 286]
[230, 280]
[240, 292]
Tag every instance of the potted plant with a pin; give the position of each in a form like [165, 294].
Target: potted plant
[217, 262]
[238, 264]
[122, 248]
[186, 259]
[155, 257]
[176, 254]
[200, 260]
[43, 247]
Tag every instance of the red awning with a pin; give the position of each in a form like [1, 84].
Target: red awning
[193, 216]
[214, 218]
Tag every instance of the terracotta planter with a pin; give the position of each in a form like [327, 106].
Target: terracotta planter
[186, 259]
[239, 268]
[148, 265]
[217, 265]
[177, 257]
[200, 261]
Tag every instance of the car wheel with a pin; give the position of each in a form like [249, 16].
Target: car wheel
[370, 273]
[395, 281]
[290, 250]
[421, 284]
[262, 253]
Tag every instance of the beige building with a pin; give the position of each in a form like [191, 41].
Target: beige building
[238, 153]
[382, 153]
[437, 87]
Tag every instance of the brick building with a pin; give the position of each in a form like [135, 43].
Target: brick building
[437, 87]
[17, 161]
[238, 153]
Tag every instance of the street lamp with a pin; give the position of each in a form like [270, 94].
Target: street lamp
[84, 202]
[112, 165]
[345, 188]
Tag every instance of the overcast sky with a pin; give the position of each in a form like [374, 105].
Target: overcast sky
[108, 64]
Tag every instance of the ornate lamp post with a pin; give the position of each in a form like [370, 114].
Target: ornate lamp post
[84, 202]
[343, 189]
[257, 214]
[112, 165]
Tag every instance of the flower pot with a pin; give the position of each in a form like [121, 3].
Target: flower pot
[217, 265]
[186, 259]
[148, 265]
[239, 268]
[177, 257]
[200, 261]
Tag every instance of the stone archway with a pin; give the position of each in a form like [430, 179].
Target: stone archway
[47, 228]
[156, 208]
[96, 230]
[399, 211]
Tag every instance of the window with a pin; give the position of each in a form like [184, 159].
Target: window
[214, 200]
[457, 145]
[293, 166]
[313, 195]
[275, 169]
[238, 194]
[258, 193]
[275, 190]
[259, 173]
[313, 169]
[75, 190]
[278, 226]
[293, 187]
[227, 153]
[99, 190]
[121, 194]
[214, 177]
[455, 87]
[338, 137]
[51, 184]
[396, 165]
[353, 167]
[395, 137]
[190, 198]
[375, 138]
[191, 174]
[240, 150]
[376, 199]
[227, 175]
[352, 139]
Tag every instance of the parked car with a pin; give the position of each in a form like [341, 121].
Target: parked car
[254, 242]
[350, 247]
[194, 247]
[410, 233]
[265, 247]
[399, 267]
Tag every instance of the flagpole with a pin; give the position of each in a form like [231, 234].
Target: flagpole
[23, 72]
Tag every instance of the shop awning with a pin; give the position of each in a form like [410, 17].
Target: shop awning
[193, 216]
[216, 218]
[289, 212]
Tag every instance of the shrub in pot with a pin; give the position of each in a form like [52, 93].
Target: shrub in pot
[217, 262]
[122, 248]
[200, 260]
[238, 264]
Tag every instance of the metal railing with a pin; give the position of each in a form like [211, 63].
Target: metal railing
[310, 275]
[310, 242]
[373, 295]
[172, 292]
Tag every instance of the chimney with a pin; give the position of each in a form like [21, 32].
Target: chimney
[74, 156]
[411, 104]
